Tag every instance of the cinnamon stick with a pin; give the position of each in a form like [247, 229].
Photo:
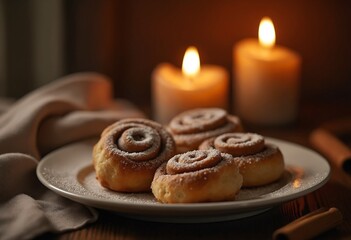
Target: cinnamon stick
[310, 225]
[334, 149]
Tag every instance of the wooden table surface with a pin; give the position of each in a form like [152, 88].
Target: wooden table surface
[335, 193]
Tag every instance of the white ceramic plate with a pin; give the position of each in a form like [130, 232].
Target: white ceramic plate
[68, 171]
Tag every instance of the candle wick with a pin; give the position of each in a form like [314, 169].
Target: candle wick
[267, 50]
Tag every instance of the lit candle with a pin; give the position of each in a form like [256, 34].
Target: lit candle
[266, 79]
[175, 90]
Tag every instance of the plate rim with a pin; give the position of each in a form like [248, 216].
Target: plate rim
[196, 208]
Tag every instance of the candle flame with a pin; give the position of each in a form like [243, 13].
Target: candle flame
[266, 33]
[191, 62]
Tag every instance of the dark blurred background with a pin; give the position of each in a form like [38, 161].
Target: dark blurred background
[43, 40]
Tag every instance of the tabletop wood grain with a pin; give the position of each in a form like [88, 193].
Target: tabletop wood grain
[335, 193]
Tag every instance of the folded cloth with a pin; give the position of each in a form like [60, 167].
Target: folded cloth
[5, 104]
[69, 109]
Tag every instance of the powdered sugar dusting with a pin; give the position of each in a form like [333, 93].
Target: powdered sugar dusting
[267, 190]
[84, 183]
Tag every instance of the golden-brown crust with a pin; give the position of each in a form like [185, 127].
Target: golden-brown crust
[197, 176]
[129, 152]
[259, 163]
[261, 168]
[190, 128]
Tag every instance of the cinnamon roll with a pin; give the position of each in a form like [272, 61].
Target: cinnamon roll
[197, 176]
[129, 152]
[190, 128]
[258, 162]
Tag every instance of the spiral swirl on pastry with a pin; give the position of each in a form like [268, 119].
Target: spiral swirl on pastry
[192, 127]
[129, 152]
[258, 162]
[192, 161]
[197, 176]
[198, 119]
[236, 144]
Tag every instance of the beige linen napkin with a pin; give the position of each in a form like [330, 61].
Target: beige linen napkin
[69, 109]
